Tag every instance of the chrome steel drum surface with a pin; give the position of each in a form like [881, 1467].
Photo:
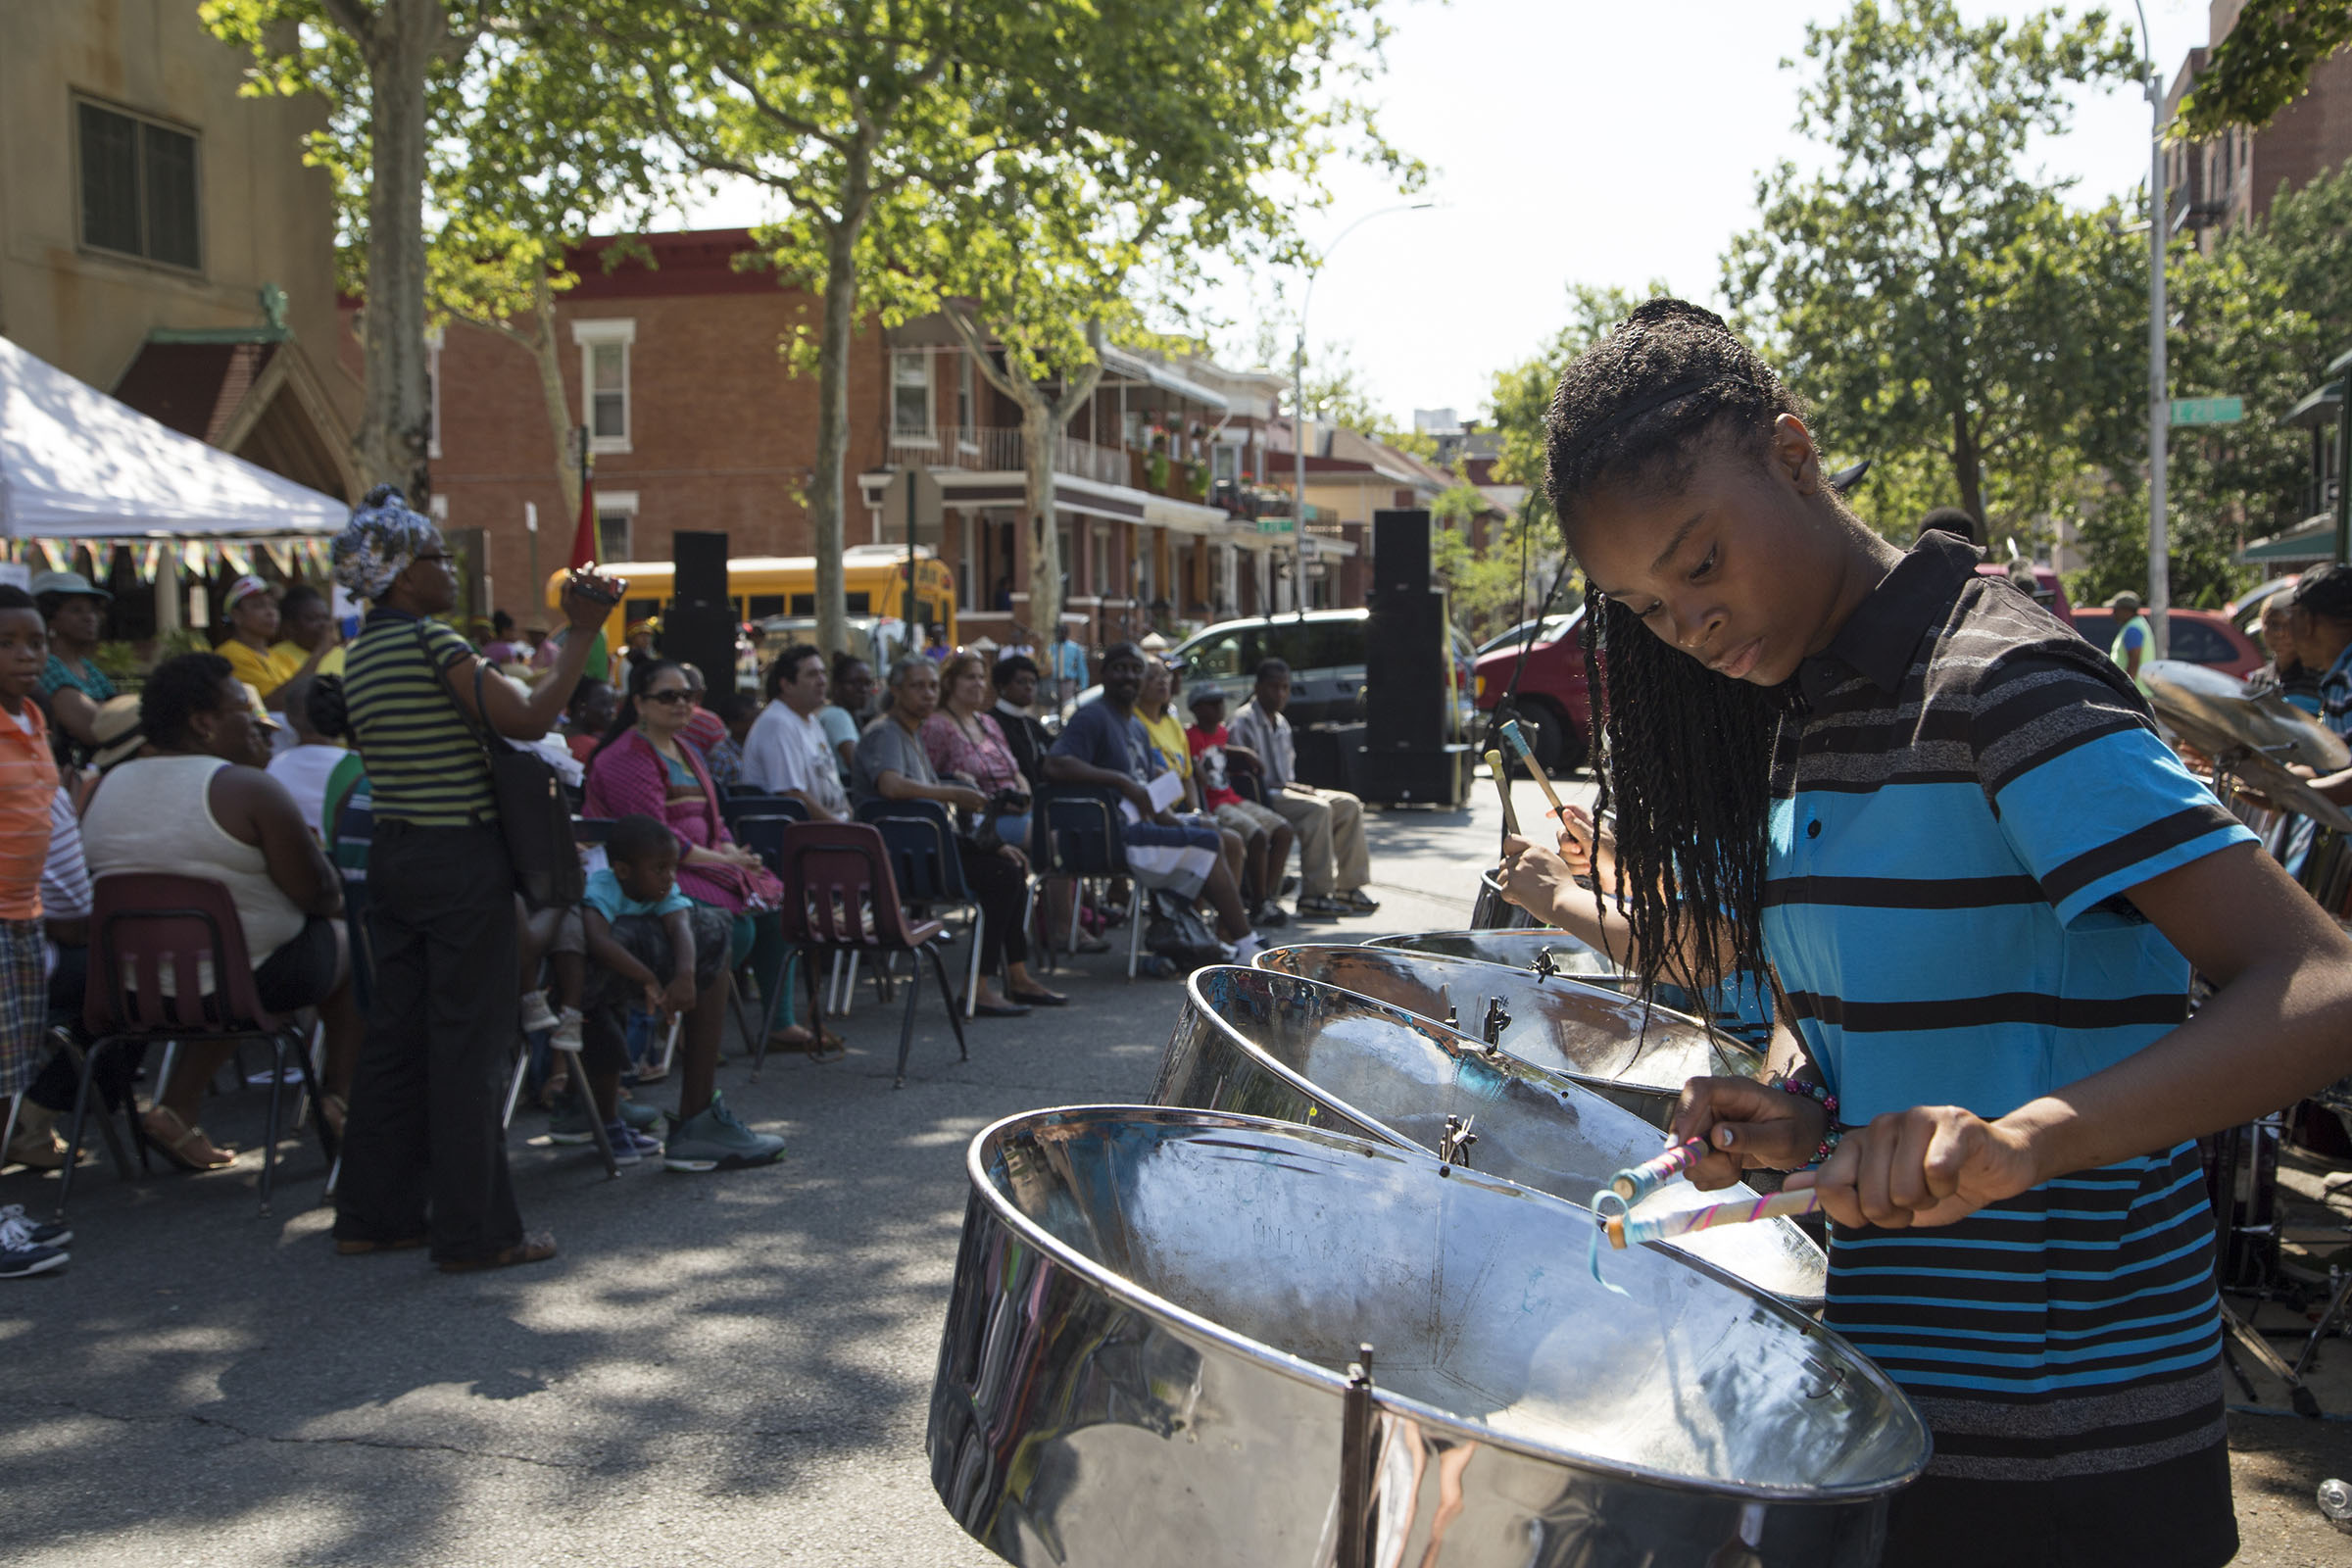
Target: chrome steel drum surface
[1638, 1056]
[1152, 1308]
[1272, 1045]
[1516, 949]
[2218, 715]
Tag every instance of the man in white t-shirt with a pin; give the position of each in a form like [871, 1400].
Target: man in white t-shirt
[786, 752]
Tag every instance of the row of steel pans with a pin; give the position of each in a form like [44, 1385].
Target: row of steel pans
[1150, 1352]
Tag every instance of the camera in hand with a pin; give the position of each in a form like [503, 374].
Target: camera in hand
[598, 590]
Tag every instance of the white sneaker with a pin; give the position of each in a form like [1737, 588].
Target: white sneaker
[535, 1013]
[1247, 949]
[567, 1031]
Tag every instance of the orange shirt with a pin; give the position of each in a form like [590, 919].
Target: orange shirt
[28, 779]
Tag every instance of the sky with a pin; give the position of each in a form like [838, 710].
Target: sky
[1575, 141]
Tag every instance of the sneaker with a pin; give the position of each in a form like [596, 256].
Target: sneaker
[641, 1115]
[567, 1027]
[536, 1015]
[17, 1231]
[1247, 949]
[1269, 913]
[715, 1141]
[629, 1146]
[16, 1262]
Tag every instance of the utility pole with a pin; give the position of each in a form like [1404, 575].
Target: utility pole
[1314, 269]
[2160, 403]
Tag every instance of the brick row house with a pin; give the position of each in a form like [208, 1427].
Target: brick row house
[1170, 484]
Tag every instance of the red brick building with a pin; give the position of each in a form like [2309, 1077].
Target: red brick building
[698, 424]
[2214, 186]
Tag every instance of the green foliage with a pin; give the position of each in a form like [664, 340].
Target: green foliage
[2259, 319]
[1928, 292]
[1522, 394]
[2264, 64]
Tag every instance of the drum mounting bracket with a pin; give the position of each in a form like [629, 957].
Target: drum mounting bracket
[1356, 1540]
[1453, 1144]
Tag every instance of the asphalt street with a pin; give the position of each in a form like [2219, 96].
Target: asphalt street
[728, 1369]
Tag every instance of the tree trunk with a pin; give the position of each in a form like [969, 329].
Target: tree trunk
[827, 488]
[395, 418]
[547, 358]
[1968, 469]
[1037, 430]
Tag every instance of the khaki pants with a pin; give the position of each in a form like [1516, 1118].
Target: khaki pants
[1330, 825]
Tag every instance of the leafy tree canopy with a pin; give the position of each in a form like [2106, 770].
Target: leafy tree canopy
[2264, 64]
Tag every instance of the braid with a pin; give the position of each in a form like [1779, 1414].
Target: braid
[1683, 755]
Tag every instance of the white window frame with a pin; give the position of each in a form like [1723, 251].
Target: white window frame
[432, 388]
[591, 335]
[901, 435]
[621, 502]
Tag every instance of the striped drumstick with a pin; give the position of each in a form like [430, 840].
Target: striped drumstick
[1516, 740]
[1623, 1231]
[1647, 1177]
[1502, 787]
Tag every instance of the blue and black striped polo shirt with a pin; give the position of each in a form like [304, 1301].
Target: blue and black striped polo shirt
[1964, 799]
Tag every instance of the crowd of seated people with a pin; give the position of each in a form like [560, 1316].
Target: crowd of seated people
[301, 760]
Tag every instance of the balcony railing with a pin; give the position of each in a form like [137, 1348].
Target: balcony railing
[1000, 450]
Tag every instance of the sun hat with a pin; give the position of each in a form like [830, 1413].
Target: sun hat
[242, 589]
[69, 584]
[115, 730]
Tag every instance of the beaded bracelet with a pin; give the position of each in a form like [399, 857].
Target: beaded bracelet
[1821, 1095]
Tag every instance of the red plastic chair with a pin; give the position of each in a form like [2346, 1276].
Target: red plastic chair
[839, 897]
[143, 926]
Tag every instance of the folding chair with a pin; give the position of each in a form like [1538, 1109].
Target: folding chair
[145, 927]
[758, 826]
[839, 897]
[1082, 837]
[928, 868]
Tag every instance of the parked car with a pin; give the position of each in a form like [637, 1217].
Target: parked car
[2199, 636]
[1324, 648]
[1555, 709]
[1542, 630]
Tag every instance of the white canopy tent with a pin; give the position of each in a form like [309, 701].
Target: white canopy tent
[75, 463]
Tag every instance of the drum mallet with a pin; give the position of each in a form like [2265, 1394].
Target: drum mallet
[1516, 740]
[1502, 787]
[1624, 1230]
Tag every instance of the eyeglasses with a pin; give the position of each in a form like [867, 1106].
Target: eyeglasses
[673, 696]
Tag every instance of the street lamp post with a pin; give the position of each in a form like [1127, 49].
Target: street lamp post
[1299, 405]
[2160, 403]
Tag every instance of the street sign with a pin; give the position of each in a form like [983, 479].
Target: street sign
[1277, 525]
[911, 497]
[2208, 410]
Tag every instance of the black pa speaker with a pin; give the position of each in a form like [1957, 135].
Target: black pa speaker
[699, 626]
[1406, 693]
[1399, 553]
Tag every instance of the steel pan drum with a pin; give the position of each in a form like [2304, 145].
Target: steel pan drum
[1516, 949]
[1492, 911]
[1272, 1045]
[1598, 1038]
[1141, 1369]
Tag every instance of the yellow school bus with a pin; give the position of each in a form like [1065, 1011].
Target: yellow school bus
[762, 586]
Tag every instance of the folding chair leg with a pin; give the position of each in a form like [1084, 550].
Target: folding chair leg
[906, 1028]
[971, 987]
[277, 1094]
[1135, 924]
[81, 1111]
[596, 1121]
[669, 1046]
[915, 983]
[1077, 902]
[753, 1041]
[523, 1066]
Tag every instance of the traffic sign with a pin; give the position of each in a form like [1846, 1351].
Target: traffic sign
[913, 494]
[2208, 410]
[1277, 525]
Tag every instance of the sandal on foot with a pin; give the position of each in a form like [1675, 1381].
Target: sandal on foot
[822, 1044]
[360, 1245]
[184, 1145]
[536, 1247]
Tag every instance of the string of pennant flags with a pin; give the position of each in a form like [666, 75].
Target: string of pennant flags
[297, 556]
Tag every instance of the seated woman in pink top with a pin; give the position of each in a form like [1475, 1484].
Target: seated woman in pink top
[644, 768]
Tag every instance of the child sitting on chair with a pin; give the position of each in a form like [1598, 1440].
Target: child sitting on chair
[649, 941]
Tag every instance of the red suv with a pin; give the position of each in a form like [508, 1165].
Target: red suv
[1555, 709]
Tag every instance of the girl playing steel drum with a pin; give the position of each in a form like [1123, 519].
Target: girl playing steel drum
[1948, 824]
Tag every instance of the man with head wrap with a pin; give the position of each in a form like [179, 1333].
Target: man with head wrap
[424, 1151]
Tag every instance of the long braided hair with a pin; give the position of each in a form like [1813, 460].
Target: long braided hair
[1683, 755]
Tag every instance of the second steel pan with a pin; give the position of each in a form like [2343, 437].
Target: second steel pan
[1272, 1045]
[1638, 1055]
[1544, 949]
[1144, 1359]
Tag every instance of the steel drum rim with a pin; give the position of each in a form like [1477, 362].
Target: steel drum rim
[1397, 939]
[1569, 981]
[1298, 1370]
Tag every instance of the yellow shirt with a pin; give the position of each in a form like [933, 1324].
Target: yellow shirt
[1167, 738]
[264, 673]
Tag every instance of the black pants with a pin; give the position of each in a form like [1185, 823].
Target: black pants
[1001, 890]
[424, 1152]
